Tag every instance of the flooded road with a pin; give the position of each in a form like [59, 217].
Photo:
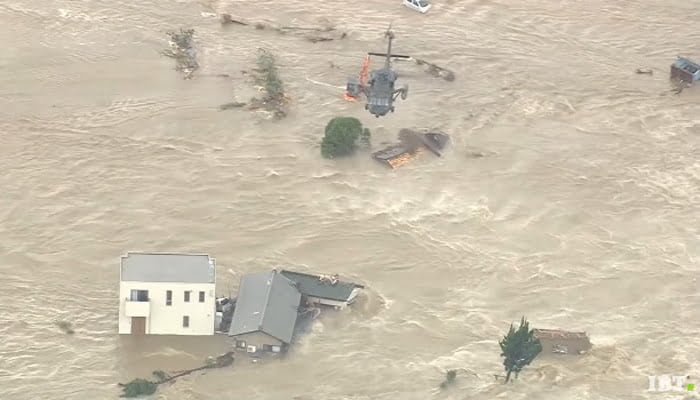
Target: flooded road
[583, 213]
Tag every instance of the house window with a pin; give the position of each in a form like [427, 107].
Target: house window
[240, 344]
[186, 321]
[169, 298]
[139, 295]
[201, 297]
[267, 347]
[187, 297]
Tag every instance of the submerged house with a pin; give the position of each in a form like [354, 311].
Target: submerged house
[167, 294]
[265, 313]
[555, 341]
[323, 289]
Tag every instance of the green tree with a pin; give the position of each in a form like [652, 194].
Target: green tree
[341, 137]
[519, 347]
[268, 76]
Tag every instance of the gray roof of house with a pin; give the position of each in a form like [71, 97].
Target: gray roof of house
[311, 285]
[168, 267]
[267, 302]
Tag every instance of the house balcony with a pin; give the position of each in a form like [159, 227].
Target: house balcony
[133, 308]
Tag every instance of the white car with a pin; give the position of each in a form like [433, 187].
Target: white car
[422, 6]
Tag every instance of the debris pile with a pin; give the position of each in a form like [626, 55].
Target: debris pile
[411, 144]
[144, 387]
[183, 51]
[684, 73]
[314, 35]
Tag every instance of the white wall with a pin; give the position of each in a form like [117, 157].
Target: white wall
[167, 320]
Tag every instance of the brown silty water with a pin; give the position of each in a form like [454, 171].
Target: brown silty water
[582, 214]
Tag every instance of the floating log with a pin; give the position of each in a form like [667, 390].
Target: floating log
[312, 34]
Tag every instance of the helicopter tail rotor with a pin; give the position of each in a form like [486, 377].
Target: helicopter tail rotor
[389, 33]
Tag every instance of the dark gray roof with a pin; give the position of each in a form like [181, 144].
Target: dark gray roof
[168, 267]
[311, 285]
[267, 302]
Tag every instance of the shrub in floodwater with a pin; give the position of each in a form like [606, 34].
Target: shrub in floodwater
[269, 78]
[66, 327]
[182, 39]
[450, 377]
[342, 135]
[139, 387]
[518, 348]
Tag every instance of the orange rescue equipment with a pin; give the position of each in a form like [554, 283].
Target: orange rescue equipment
[364, 79]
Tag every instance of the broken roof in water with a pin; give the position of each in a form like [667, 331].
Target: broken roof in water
[410, 144]
[267, 302]
[314, 286]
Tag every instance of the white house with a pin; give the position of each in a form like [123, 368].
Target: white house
[167, 294]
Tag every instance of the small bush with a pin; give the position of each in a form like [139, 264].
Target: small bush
[450, 377]
[269, 78]
[66, 327]
[139, 387]
[274, 99]
[341, 137]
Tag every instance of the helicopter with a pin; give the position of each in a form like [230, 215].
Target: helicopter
[379, 85]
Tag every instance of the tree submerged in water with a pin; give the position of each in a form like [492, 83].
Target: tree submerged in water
[450, 377]
[343, 135]
[267, 77]
[143, 387]
[519, 347]
[183, 51]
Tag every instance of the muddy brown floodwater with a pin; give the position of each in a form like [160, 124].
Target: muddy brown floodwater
[583, 213]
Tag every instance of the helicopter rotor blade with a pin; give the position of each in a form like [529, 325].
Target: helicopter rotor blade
[384, 55]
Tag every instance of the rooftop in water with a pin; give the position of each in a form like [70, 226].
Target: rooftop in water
[410, 145]
[322, 286]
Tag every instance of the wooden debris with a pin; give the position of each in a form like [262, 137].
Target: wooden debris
[436, 70]
[313, 35]
[234, 104]
[227, 19]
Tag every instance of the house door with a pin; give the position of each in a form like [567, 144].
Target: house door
[138, 325]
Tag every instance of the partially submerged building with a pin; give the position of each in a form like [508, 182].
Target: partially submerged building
[327, 290]
[685, 70]
[270, 304]
[411, 145]
[167, 294]
[555, 341]
[265, 313]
